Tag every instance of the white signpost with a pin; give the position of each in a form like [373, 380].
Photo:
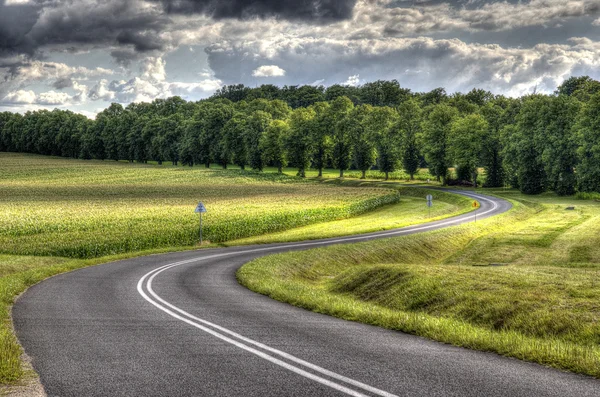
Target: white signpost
[429, 204]
[200, 209]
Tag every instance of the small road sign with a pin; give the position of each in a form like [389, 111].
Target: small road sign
[475, 204]
[429, 198]
[200, 209]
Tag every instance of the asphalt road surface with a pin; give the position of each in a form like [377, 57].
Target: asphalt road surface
[180, 325]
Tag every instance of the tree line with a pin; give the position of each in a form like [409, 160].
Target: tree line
[535, 143]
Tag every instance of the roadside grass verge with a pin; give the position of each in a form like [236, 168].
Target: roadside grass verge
[524, 284]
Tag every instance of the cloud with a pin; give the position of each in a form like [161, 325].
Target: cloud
[53, 98]
[418, 63]
[22, 97]
[63, 82]
[101, 91]
[18, 73]
[29, 28]
[352, 80]
[268, 71]
[310, 11]
[203, 88]
[479, 16]
[423, 44]
[16, 2]
[153, 69]
[151, 83]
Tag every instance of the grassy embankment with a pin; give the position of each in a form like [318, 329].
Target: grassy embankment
[58, 215]
[524, 284]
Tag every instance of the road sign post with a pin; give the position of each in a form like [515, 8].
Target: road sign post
[429, 204]
[475, 205]
[200, 209]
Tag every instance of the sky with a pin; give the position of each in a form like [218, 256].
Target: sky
[84, 54]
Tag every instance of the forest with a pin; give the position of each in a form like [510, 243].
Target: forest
[535, 143]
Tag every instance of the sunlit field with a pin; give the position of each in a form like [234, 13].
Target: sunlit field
[73, 208]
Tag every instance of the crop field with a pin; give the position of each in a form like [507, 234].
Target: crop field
[71, 208]
[525, 284]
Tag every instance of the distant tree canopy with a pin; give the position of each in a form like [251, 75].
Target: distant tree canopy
[535, 143]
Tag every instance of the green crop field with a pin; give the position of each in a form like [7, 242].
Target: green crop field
[71, 208]
[525, 284]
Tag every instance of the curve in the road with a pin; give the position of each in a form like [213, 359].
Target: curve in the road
[90, 333]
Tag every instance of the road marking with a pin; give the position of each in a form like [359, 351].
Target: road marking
[204, 325]
[290, 357]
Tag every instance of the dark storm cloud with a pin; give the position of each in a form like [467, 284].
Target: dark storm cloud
[15, 22]
[304, 10]
[141, 41]
[24, 29]
[62, 83]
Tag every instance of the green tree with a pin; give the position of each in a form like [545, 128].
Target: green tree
[410, 128]
[559, 153]
[466, 137]
[321, 135]
[363, 141]
[107, 123]
[522, 146]
[341, 123]
[273, 144]
[383, 93]
[491, 158]
[256, 126]
[278, 109]
[587, 134]
[213, 122]
[434, 138]
[302, 96]
[434, 97]
[382, 125]
[171, 130]
[234, 139]
[299, 143]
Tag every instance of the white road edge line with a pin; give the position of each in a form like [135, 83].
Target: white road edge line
[152, 274]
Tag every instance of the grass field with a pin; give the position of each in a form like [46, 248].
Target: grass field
[58, 215]
[525, 284]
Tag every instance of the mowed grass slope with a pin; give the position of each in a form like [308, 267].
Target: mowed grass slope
[525, 284]
[83, 209]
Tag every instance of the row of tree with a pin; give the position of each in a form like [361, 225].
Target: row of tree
[535, 143]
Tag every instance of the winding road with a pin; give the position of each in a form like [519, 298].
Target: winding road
[179, 324]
